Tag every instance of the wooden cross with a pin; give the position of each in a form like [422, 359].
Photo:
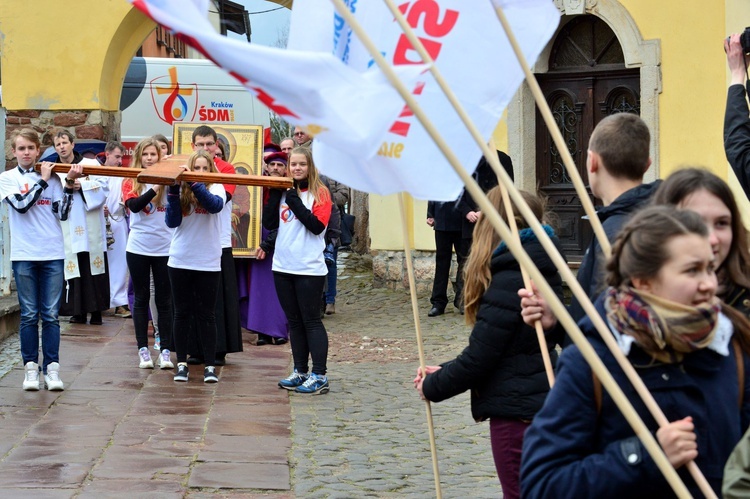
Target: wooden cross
[170, 171]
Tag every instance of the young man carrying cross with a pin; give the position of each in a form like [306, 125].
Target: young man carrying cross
[38, 203]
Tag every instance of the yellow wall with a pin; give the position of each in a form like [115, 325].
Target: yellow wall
[67, 54]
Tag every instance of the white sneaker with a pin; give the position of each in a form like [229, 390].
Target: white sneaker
[52, 378]
[31, 376]
[164, 361]
[145, 358]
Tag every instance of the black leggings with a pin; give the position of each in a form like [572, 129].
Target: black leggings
[194, 293]
[300, 297]
[141, 267]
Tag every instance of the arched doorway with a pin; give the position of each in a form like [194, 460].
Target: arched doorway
[587, 81]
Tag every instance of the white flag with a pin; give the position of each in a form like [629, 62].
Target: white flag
[314, 90]
[471, 51]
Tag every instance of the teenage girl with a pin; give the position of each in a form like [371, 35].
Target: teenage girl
[709, 196]
[147, 252]
[662, 308]
[502, 365]
[195, 262]
[301, 215]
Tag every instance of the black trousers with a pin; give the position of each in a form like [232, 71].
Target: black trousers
[194, 294]
[445, 243]
[141, 267]
[299, 296]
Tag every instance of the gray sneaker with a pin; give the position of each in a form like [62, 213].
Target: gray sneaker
[31, 376]
[52, 378]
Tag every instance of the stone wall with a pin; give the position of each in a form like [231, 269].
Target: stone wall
[389, 270]
[85, 124]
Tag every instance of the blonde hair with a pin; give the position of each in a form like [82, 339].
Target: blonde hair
[315, 185]
[187, 197]
[137, 162]
[477, 273]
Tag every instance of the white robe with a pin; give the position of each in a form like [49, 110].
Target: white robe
[84, 229]
[118, 266]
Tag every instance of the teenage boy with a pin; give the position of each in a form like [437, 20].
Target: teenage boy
[38, 202]
[618, 157]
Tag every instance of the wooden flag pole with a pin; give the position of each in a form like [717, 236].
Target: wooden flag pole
[490, 155]
[165, 173]
[586, 349]
[420, 346]
[559, 261]
[557, 137]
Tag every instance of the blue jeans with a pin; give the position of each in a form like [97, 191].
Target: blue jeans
[40, 288]
[331, 291]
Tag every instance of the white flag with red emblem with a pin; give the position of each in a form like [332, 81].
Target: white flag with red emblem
[471, 50]
[313, 90]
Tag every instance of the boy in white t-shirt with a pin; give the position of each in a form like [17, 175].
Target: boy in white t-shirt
[38, 203]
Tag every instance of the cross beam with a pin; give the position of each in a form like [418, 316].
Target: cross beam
[170, 171]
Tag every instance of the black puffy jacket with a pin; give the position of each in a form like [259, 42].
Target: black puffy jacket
[502, 365]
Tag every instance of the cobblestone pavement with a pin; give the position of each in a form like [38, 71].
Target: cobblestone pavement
[368, 437]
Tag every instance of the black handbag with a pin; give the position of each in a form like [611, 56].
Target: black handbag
[347, 228]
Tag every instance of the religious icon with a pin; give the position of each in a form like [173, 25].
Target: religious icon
[243, 148]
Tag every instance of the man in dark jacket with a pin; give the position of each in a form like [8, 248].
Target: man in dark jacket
[445, 219]
[736, 120]
[618, 157]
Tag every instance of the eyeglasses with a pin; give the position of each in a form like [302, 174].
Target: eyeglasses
[299, 134]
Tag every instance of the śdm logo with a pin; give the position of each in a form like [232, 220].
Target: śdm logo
[173, 102]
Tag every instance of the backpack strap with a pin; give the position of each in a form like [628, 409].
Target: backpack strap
[739, 358]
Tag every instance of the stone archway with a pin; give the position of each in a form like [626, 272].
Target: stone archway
[639, 53]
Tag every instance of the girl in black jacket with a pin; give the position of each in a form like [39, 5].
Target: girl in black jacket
[502, 365]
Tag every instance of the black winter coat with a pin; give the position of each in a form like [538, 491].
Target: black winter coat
[737, 135]
[502, 365]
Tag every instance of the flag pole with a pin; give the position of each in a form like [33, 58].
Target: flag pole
[526, 281]
[490, 155]
[558, 139]
[558, 308]
[418, 329]
[558, 260]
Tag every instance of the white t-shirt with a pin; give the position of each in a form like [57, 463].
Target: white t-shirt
[149, 234]
[35, 235]
[298, 251]
[196, 243]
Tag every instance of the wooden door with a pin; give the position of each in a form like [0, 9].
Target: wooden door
[578, 102]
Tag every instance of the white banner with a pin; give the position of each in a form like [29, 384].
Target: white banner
[471, 51]
[313, 90]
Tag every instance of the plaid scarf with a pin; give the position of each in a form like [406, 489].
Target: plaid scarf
[664, 329]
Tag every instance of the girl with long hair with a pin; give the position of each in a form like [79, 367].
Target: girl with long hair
[195, 262]
[147, 252]
[688, 348]
[301, 215]
[502, 365]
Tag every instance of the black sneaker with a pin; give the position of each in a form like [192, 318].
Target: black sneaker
[209, 375]
[182, 372]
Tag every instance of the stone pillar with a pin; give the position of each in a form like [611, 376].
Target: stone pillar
[85, 124]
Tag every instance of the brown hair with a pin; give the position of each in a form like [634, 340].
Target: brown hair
[735, 269]
[137, 163]
[622, 141]
[640, 248]
[477, 273]
[58, 133]
[26, 133]
[163, 140]
[315, 185]
[187, 197]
